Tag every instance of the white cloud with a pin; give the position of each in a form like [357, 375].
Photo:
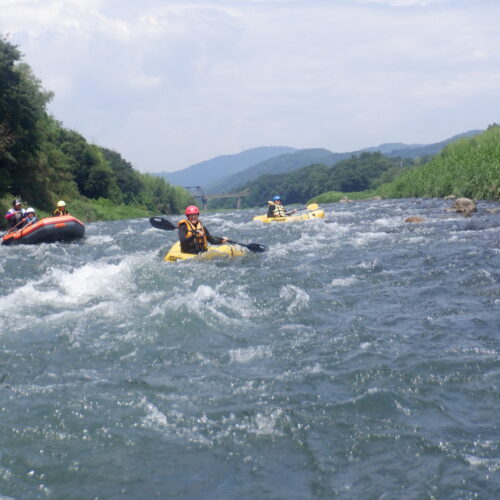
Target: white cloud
[170, 83]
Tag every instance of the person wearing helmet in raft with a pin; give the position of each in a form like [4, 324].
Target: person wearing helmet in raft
[193, 236]
[276, 209]
[16, 215]
[31, 217]
[61, 209]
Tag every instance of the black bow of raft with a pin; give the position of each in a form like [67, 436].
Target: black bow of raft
[166, 225]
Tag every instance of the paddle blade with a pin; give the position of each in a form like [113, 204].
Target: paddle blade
[255, 247]
[161, 223]
[312, 206]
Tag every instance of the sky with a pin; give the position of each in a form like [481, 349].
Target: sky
[168, 84]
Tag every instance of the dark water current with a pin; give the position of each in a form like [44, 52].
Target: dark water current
[356, 359]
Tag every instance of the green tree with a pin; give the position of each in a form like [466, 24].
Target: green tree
[22, 106]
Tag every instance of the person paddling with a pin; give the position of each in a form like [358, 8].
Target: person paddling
[194, 238]
[61, 209]
[276, 208]
[16, 215]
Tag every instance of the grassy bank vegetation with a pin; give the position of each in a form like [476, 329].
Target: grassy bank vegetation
[469, 167]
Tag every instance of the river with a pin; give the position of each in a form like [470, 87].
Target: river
[357, 358]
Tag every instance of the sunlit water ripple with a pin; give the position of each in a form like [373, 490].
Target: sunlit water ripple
[355, 359]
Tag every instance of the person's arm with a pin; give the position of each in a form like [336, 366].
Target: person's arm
[214, 240]
[15, 218]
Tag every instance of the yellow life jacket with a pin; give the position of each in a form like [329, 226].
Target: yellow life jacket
[200, 241]
[278, 210]
[58, 212]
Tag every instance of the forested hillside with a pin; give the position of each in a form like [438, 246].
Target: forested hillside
[42, 162]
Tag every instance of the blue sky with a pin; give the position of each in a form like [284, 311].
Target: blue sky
[172, 83]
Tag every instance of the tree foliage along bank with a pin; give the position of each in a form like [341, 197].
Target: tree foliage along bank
[469, 167]
[42, 162]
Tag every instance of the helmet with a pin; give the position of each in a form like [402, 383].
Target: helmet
[276, 198]
[192, 209]
[30, 210]
[16, 202]
[61, 203]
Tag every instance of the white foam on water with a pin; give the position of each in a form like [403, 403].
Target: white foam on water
[154, 417]
[93, 280]
[298, 298]
[60, 294]
[417, 239]
[313, 369]
[344, 214]
[223, 303]
[368, 265]
[102, 239]
[338, 282]
[403, 409]
[364, 239]
[261, 424]
[250, 353]
[175, 424]
[266, 424]
[387, 222]
[492, 464]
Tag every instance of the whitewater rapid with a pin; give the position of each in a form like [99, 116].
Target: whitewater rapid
[358, 357]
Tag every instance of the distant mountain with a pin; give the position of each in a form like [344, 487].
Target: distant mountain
[280, 164]
[229, 172]
[416, 150]
[210, 171]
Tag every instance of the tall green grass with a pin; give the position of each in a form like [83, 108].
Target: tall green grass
[469, 168]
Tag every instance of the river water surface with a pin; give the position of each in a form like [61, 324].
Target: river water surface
[357, 358]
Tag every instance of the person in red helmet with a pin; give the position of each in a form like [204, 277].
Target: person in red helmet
[193, 236]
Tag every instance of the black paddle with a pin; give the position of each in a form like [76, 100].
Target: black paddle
[161, 223]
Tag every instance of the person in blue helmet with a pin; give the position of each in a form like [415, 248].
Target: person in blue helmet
[276, 208]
